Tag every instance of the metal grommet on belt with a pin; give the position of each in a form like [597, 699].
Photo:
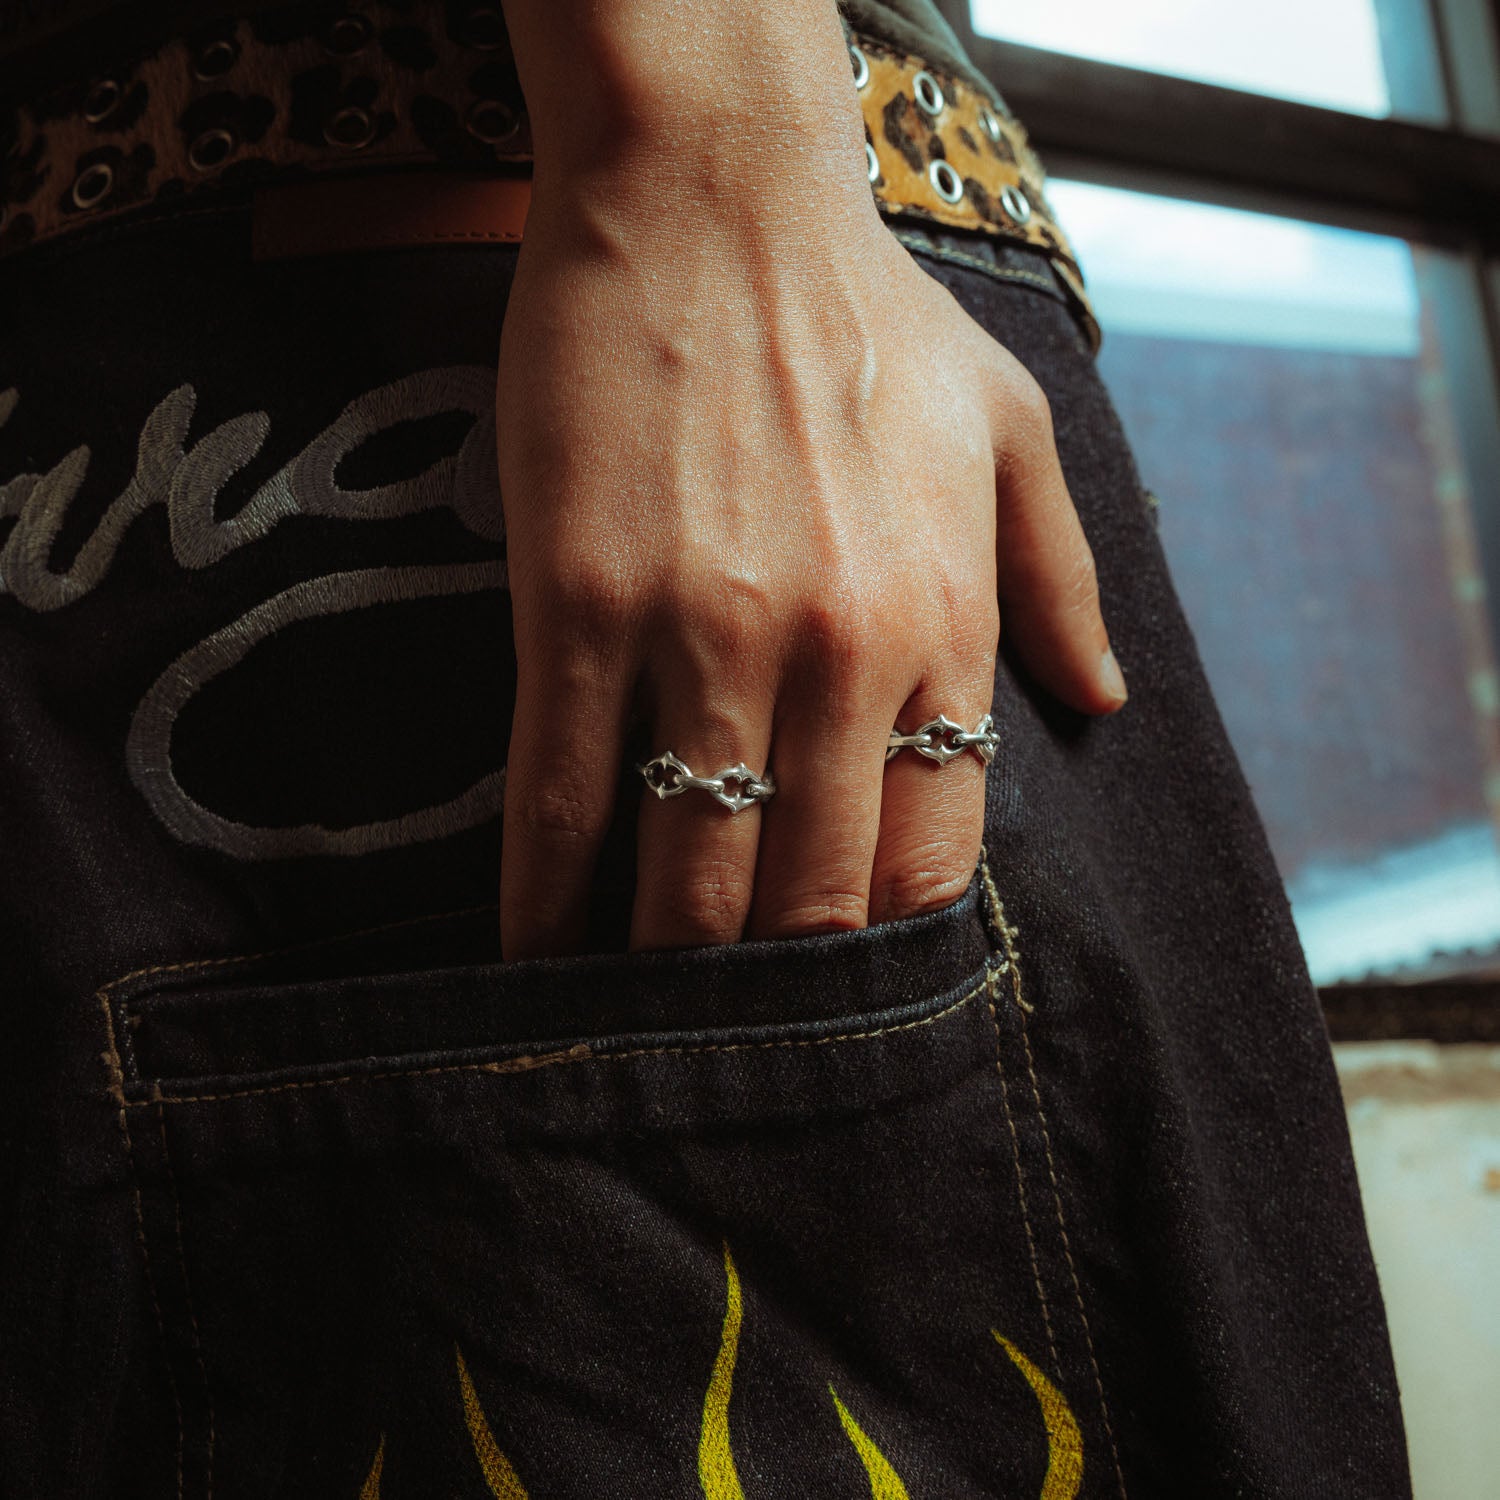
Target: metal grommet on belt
[492, 122]
[345, 35]
[945, 179]
[861, 66]
[351, 128]
[91, 186]
[483, 27]
[989, 124]
[101, 100]
[215, 60]
[872, 163]
[929, 93]
[1015, 203]
[211, 149]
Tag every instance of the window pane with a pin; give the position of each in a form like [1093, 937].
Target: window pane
[1368, 57]
[1287, 398]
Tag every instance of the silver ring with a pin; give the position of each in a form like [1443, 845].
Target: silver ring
[940, 739]
[736, 787]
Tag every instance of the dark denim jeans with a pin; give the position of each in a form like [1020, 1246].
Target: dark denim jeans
[303, 1193]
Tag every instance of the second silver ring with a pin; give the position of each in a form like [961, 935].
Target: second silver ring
[942, 740]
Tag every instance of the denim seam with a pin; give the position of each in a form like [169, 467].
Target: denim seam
[918, 245]
[992, 982]
[187, 1297]
[290, 948]
[575, 1054]
[1009, 935]
[117, 1092]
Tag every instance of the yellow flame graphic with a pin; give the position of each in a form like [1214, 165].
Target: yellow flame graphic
[716, 1471]
[371, 1489]
[498, 1474]
[885, 1482]
[1064, 1440]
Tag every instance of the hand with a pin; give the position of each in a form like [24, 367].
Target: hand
[769, 486]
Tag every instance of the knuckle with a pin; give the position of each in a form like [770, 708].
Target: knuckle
[1078, 583]
[722, 634]
[1030, 408]
[595, 595]
[824, 911]
[970, 615]
[712, 905]
[930, 880]
[713, 614]
[840, 632]
[559, 812]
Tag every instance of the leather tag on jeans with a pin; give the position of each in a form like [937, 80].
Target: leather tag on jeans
[387, 211]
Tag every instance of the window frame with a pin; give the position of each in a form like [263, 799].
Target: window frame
[1433, 185]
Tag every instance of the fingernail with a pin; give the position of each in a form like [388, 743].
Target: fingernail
[1112, 679]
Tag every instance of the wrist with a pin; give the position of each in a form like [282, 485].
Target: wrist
[713, 101]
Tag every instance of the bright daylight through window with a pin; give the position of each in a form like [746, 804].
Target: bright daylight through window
[1284, 387]
[1316, 51]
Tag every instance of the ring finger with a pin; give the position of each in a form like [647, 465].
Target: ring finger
[932, 812]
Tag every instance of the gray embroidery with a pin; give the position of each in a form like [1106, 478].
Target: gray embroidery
[25, 566]
[189, 481]
[465, 482]
[148, 752]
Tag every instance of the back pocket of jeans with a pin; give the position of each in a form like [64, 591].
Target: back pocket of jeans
[705, 1222]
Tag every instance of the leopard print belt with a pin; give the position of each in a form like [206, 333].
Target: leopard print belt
[389, 84]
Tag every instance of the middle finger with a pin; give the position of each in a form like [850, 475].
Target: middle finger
[695, 860]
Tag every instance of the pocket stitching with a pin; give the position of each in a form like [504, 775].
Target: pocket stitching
[576, 1054]
[992, 984]
[187, 1297]
[321, 942]
[1007, 935]
[117, 1093]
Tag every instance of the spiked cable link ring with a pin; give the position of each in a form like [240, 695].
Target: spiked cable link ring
[940, 739]
[736, 787]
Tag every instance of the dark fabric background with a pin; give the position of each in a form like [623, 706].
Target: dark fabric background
[263, 1220]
